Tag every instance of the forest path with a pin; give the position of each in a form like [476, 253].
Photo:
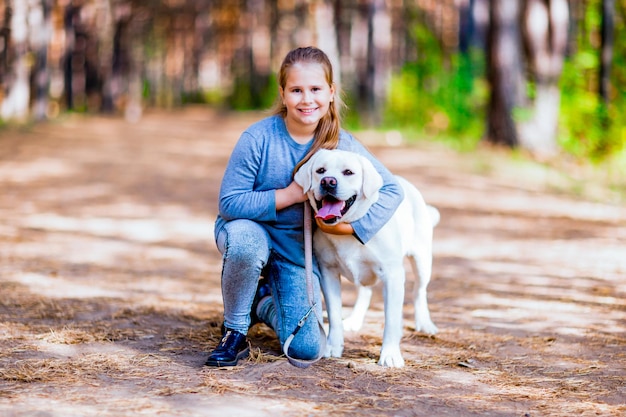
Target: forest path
[110, 286]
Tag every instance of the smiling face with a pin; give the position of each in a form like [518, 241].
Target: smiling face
[307, 96]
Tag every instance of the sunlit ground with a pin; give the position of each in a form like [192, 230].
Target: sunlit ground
[110, 286]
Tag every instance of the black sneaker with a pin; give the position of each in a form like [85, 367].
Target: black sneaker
[232, 347]
[262, 291]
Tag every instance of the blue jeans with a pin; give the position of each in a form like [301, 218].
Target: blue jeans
[246, 250]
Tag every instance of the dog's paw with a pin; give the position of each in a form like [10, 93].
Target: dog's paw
[426, 326]
[333, 351]
[391, 358]
[352, 324]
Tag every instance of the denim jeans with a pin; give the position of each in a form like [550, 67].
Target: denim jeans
[247, 251]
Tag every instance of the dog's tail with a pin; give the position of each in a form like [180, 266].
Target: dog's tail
[435, 216]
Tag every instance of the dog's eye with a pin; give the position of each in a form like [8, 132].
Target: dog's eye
[347, 172]
[320, 170]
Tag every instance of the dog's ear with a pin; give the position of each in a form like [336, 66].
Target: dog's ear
[304, 175]
[372, 180]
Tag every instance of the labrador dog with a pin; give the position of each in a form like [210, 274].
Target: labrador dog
[341, 187]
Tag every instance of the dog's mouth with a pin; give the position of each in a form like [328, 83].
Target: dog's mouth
[331, 209]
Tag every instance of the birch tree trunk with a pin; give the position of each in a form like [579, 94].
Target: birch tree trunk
[40, 18]
[15, 104]
[546, 28]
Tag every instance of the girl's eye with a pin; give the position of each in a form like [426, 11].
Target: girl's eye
[347, 172]
[320, 170]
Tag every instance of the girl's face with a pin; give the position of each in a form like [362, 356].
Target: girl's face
[307, 97]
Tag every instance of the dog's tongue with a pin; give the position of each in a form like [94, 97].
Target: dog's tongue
[330, 209]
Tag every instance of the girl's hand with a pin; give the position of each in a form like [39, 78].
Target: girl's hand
[335, 229]
[290, 195]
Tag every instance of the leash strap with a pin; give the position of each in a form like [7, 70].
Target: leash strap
[308, 264]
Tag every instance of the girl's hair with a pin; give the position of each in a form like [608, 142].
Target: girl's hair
[327, 131]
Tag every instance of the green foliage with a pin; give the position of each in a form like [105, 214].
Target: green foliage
[439, 95]
[210, 97]
[248, 95]
[590, 128]
[446, 95]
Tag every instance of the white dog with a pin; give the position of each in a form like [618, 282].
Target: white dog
[341, 186]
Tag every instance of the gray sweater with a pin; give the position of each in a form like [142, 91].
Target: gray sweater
[262, 161]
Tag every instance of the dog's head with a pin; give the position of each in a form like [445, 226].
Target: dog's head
[341, 185]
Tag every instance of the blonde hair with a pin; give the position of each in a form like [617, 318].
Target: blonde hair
[327, 130]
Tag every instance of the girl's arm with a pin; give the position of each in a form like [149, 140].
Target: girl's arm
[335, 229]
[238, 198]
[289, 195]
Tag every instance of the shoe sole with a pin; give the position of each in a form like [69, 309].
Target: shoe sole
[241, 355]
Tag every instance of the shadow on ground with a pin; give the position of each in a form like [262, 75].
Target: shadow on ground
[110, 287]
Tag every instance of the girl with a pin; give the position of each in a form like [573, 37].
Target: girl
[259, 229]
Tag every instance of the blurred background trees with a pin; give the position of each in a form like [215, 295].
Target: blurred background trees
[543, 75]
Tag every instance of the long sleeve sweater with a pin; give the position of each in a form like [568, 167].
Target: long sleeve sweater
[262, 162]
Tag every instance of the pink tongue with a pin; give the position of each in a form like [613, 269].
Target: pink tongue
[330, 210]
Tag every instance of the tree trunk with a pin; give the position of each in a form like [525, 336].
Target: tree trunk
[15, 104]
[466, 25]
[347, 22]
[546, 30]
[260, 68]
[503, 50]
[73, 74]
[326, 35]
[606, 57]
[41, 13]
[378, 69]
[5, 36]
[106, 37]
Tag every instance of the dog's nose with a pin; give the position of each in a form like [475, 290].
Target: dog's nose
[329, 183]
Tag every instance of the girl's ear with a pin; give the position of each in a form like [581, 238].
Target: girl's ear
[281, 92]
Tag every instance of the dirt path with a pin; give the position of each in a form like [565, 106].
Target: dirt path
[110, 295]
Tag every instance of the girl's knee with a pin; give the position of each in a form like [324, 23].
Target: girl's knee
[246, 242]
[306, 347]
[246, 251]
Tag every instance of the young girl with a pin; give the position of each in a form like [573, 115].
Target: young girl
[259, 229]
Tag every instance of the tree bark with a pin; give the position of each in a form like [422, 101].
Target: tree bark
[378, 69]
[5, 37]
[41, 13]
[326, 35]
[606, 56]
[15, 104]
[546, 31]
[466, 25]
[503, 51]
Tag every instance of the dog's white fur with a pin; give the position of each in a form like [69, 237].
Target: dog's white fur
[408, 233]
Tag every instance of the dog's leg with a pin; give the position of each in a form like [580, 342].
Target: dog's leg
[331, 287]
[390, 354]
[355, 321]
[422, 269]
